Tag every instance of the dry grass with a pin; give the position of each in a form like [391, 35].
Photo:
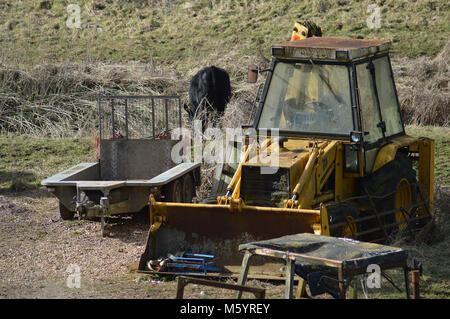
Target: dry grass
[423, 89]
[60, 101]
[431, 247]
[237, 113]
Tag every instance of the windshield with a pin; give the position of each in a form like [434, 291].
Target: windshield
[308, 97]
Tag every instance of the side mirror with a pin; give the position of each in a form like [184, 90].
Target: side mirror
[252, 73]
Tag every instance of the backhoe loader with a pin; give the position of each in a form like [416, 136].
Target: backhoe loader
[330, 114]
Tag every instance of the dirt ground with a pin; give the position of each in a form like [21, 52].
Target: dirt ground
[37, 248]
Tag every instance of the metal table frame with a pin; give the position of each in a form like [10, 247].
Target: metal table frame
[183, 281]
[344, 274]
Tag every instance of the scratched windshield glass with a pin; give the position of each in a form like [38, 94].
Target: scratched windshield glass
[310, 98]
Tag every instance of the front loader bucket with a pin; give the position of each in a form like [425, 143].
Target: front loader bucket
[218, 230]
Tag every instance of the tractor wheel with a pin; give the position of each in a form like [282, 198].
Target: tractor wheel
[65, 213]
[349, 230]
[188, 188]
[174, 192]
[343, 213]
[403, 198]
[397, 178]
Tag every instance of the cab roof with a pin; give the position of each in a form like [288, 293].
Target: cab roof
[338, 49]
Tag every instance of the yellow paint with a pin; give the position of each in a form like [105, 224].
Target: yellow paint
[325, 166]
[311, 163]
[385, 155]
[325, 227]
[306, 176]
[296, 171]
[163, 208]
[339, 173]
[237, 174]
[325, 197]
[237, 189]
[350, 229]
[299, 32]
[403, 198]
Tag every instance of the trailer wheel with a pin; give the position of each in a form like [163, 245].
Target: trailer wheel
[65, 213]
[188, 188]
[174, 192]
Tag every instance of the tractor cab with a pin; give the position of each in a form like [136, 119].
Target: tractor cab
[334, 89]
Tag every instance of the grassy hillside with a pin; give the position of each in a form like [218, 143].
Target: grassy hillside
[184, 33]
[51, 71]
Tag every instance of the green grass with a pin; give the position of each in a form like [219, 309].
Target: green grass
[25, 161]
[441, 135]
[433, 285]
[180, 37]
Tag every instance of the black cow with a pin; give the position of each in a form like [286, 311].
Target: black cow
[209, 92]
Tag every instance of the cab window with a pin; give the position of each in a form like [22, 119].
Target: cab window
[310, 98]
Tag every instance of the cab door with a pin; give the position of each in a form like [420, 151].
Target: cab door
[378, 104]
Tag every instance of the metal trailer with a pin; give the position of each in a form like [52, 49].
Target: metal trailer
[133, 161]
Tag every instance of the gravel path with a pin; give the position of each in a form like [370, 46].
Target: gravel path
[37, 247]
[36, 250]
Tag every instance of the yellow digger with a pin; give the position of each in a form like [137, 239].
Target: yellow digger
[330, 116]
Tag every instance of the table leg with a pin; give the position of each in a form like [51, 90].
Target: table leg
[290, 267]
[301, 289]
[342, 291]
[180, 288]
[405, 271]
[244, 272]
[353, 289]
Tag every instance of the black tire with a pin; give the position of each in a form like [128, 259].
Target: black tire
[143, 215]
[395, 178]
[188, 188]
[65, 213]
[339, 213]
[174, 192]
